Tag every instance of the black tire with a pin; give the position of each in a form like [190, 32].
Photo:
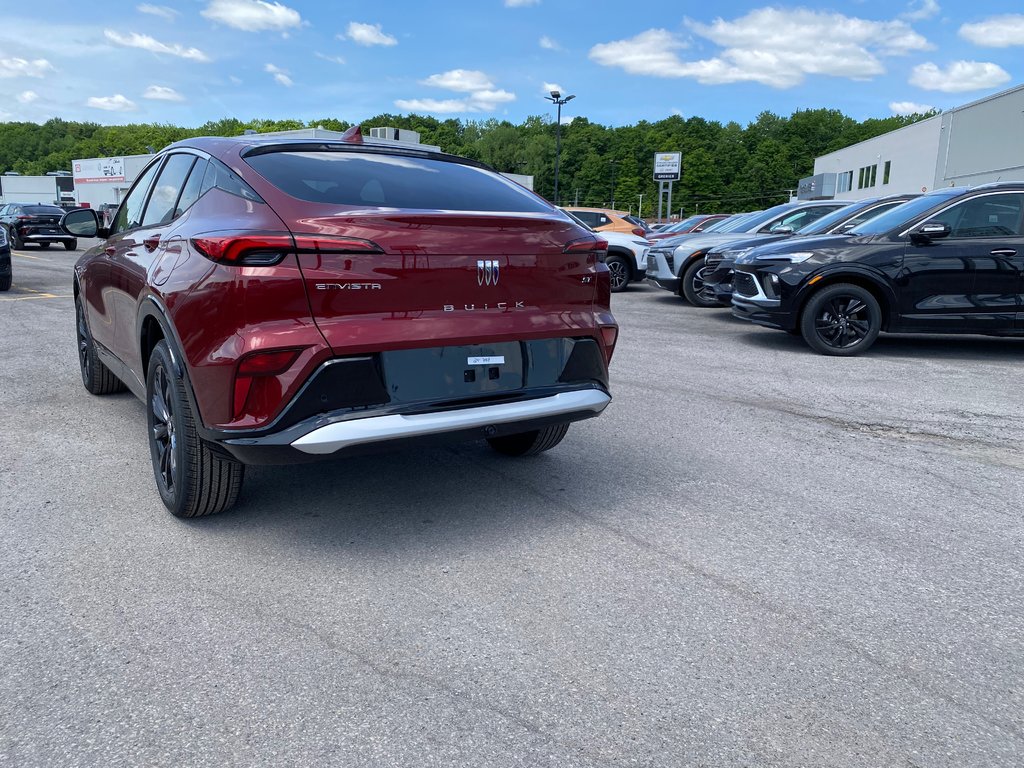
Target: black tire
[693, 289]
[70, 245]
[44, 246]
[97, 378]
[841, 319]
[193, 480]
[529, 443]
[5, 283]
[619, 269]
[15, 240]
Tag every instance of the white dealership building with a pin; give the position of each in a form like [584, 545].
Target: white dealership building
[976, 143]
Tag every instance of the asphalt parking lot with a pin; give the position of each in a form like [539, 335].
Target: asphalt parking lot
[757, 557]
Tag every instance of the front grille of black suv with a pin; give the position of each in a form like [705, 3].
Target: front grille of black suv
[743, 284]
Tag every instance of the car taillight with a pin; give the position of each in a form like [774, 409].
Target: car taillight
[257, 366]
[638, 231]
[266, 249]
[585, 244]
[24, 218]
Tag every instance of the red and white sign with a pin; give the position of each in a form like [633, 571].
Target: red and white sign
[98, 170]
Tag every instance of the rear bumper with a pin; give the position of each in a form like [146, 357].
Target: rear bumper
[325, 435]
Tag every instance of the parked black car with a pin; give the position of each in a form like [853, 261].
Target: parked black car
[36, 223]
[6, 272]
[719, 261]
[951, 261]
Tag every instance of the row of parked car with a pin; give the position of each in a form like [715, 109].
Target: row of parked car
[839, 273]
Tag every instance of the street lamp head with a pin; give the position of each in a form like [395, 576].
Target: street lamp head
[556, 94]
[569, 98]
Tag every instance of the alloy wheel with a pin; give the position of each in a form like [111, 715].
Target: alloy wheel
[619, 274]
[164, 437]
[84, 358]
[843, 321]
[700, 286]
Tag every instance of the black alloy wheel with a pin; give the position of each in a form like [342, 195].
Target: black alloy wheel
[15, 240]
[193, 480]
[96, 377]
[694, 289]
[619, 270]
[842, 320]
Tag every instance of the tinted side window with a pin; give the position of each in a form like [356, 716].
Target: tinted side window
[986, 216]
[220, 176]
[589, 217]
[129, 215]
[190, 192]
[167, 189]
[392, 181]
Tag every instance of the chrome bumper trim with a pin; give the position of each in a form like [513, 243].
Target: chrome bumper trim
[375, 429]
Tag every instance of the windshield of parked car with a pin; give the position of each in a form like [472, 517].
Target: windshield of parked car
[721, 224]
[684, 224]
[365, 179]
[902, 214]
[757, 220]
[47, 209]
[736, 224]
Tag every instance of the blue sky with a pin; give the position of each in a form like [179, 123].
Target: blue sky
[197, 60]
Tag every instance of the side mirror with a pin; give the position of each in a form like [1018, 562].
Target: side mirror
[925, 233]
[783, 229]
[82, 222]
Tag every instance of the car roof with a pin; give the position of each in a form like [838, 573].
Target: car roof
[595, 210]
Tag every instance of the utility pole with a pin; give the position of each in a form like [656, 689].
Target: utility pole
[556, 99]
[640, 210]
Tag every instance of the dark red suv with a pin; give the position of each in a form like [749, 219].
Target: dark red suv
[279, 300]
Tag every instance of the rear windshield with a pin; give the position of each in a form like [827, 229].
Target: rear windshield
[392, 181]
[48, 209]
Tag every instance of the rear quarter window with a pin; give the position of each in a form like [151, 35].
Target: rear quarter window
[392, 181]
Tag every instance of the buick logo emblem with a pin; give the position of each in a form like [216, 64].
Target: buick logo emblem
[487, 272]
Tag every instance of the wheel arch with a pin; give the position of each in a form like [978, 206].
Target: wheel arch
[873, 284]
[628, 255]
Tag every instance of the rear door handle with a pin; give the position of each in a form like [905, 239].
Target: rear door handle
[1003, 252]
[151, 243]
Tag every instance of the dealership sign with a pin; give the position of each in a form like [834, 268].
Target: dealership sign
[98, 169]
[667, 166]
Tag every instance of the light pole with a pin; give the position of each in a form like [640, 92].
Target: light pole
[615, 173]
[556, 99]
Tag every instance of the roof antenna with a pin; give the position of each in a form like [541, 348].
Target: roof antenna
[353, 135]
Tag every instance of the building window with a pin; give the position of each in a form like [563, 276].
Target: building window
[874, 174]
[885, 173]
[845, 182]
[860, 179]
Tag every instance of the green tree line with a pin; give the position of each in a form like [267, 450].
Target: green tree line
[726, 167]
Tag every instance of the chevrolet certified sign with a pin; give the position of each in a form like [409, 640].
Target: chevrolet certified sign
[667, 166]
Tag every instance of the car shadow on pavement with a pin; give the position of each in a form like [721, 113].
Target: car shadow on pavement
[427, 497]
[973, 348]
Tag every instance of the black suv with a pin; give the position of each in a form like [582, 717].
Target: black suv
[36, 223]
[719, 261]
[951, 261]
[6, 273]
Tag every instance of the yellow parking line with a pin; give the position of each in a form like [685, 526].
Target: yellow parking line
[37, 296]
[26, 256]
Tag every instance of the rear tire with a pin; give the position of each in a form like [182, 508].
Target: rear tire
[15, 240]
[97, 378]
[70, 245]
[5, 283]
[193, 480]
[693, 287]
[44, 246]
[529, 443]
[619, 270]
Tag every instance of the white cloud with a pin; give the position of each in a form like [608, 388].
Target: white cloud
[147, 43]
[520, 3]
[460, 80]
[549, 44]
[959, 76]
[996, 32]
[367, 34]
[442, 106]
[919, 10]
[235, 80]
[488, 101]
[162, 93]
[549, 87]
[332, 59]
[909, 108]
[27, 97]
[253, 15]
[280, 75]
[168, 14]
[772, 46]
[115, 103]
[16, 67]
